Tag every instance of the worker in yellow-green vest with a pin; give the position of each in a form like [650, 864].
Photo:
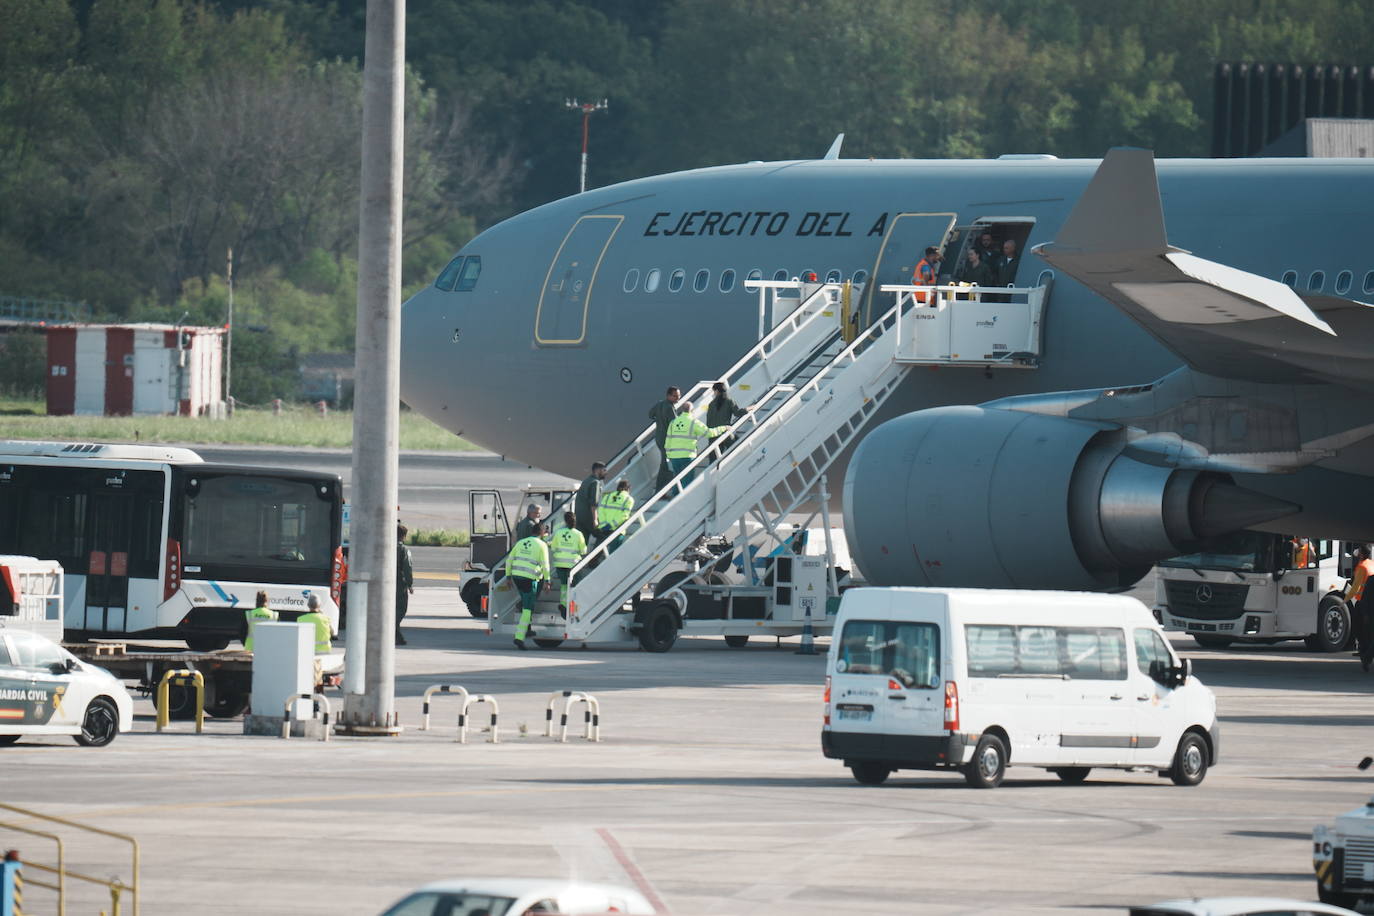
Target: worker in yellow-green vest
[568, 546]
[259, 613]
[527, 565]
[680, 444]
[614, 511]
[324, 630]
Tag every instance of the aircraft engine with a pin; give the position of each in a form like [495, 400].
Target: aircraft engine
[993, 498]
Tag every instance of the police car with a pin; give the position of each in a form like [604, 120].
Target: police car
[45, 690]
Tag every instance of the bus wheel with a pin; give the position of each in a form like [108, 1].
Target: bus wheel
[1333, 626]
[1212, 642]
[225, 699]
[206, 643]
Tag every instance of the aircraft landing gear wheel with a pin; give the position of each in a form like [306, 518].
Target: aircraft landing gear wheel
[99, 724]
[474, 590]
[547, 643]
[1072, 775]
[1190, 760]
[1212, 642]
[737, 642]
[870, 774]
[1334, 627]
[658, 630]
[989, 763]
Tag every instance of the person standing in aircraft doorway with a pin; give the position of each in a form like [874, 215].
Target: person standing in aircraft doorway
[927, 273]
[662, 414]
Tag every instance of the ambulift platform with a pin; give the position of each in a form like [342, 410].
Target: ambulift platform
[810, 385]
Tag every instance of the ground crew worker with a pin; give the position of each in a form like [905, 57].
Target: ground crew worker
[588, 496]
[523, 527]
[927, 273]
[568, 546]
[405, 580]
[1302, 552]
[662, 414]
[324, 630]
[527, 565]
[1361, 600]
[681, 443]
[615, 509]
[259, 612]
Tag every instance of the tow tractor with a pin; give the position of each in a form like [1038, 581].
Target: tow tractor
[1259, 588]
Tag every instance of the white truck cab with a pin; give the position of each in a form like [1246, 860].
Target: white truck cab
[1257, 587]
[975, 680]
[1343, 857]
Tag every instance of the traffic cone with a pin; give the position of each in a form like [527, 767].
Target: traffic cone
[808, 646]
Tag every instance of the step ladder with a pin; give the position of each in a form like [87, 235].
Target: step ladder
[811, 386]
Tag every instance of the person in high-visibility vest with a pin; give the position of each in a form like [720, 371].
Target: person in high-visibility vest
[259, 612]
[1361, 599]
[680, 445]
[567, 547]
[1302, 552]
[616, 508]
[324, 630]
[527, 565]
[927, 273]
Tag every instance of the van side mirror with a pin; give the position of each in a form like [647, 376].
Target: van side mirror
[1170, 676]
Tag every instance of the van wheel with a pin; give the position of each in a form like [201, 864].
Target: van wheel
[1190, 760]
[100, 723]
[1072, 775]
[1333, 626]
[870, 774]
[658, 627]
[989, 763]
[1212, 642]
[737, 642]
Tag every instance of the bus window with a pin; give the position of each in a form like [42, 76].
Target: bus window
[253, 522]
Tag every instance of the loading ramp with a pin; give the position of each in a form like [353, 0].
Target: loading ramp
[809, 386]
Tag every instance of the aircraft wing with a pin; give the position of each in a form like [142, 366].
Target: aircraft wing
[1220, 320]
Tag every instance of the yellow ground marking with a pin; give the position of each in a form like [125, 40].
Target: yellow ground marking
[439, 577]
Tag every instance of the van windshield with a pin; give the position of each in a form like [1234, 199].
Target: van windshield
[908, 652]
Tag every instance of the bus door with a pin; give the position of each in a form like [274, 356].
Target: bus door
[107, 572]
[561, 318]
[908, 236]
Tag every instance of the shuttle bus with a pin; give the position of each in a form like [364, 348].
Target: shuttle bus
[156, 543]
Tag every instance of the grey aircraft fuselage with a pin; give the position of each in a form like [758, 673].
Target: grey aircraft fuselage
[556, 388]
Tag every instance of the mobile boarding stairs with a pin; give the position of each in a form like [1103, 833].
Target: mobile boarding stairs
[810, 385]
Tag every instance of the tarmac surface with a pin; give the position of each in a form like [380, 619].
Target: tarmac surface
[708, 791]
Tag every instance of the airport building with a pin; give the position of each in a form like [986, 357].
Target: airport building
[135, 369]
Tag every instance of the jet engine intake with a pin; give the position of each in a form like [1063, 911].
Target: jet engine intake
[993, 498]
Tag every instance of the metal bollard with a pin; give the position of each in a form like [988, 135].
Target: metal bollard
[181, 675]
[463, 717]
[445, 688]
[319, 699]
[591, 717]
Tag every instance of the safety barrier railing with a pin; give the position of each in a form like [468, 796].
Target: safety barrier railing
[180, 676]
[591, 714]
[454, 689]
[61, 873]
[969, 325]
[318, 701]
[470, 702]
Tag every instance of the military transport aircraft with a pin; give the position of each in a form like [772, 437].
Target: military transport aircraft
[1218, 378]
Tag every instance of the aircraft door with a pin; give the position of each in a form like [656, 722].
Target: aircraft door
[490, 530]
[561, 318]
[908, 236]
[107, 573]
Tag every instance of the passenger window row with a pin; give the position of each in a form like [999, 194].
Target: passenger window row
[1091, 653]
[701, 280]
[1316, 281]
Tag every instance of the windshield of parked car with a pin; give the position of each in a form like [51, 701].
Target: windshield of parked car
[445, 903]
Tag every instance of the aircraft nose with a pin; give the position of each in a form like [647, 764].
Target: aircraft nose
[427, 371]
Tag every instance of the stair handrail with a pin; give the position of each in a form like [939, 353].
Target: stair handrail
[845, 357]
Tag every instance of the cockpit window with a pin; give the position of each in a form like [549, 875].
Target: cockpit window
[449, 275]
[467, 278]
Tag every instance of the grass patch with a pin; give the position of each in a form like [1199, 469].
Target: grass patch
[297, 426]
[438, 537]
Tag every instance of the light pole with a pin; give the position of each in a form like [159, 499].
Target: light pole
[229, 339]
[587, 109]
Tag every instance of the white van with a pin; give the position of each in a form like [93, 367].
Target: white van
[978, 679]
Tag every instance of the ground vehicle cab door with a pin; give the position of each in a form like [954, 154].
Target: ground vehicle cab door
[1154, 680]
[490, 528]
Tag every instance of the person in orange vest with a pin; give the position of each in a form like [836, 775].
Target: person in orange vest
[1302, 552]
[1362, 603]
[927, 273]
